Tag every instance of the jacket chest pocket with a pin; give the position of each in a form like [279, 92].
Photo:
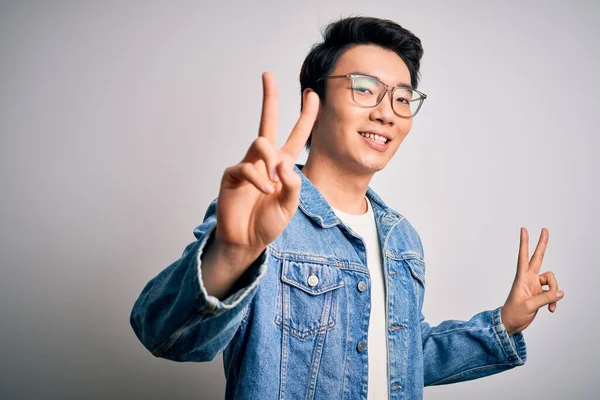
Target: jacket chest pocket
[308, 297]
[417, 271]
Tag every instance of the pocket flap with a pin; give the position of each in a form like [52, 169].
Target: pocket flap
[313, 278]
[417, 269]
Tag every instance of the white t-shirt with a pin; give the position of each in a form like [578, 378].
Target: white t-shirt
[364, 225]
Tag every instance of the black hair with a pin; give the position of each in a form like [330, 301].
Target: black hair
[345, 33]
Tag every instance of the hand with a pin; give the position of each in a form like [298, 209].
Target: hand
[259, 196]
[527, 295]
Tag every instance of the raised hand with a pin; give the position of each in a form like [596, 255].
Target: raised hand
[259, 196]
[527, 296]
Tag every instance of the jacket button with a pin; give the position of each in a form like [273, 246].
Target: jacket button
[360, 347]
[362, 286]
[313, 281]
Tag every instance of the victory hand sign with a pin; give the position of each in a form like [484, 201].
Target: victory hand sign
[258, 196]
[526, 295]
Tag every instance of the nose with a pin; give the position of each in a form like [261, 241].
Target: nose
[383, 112]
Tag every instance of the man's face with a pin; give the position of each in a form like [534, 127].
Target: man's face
[341, 122]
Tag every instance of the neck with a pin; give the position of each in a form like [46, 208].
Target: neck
[343, 189]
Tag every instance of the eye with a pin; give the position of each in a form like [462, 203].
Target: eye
[403, 97]
[366, 86]
[362, 90]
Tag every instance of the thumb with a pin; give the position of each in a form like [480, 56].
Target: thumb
[290, 187]
[551, 296]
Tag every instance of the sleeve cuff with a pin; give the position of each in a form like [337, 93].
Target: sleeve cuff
[513, 346]
[245, 285]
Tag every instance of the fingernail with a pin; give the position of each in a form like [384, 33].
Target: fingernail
[269, 188]
[559, 294]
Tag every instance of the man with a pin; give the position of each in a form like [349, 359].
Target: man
[307, 281]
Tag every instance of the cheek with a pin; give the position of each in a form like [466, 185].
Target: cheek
[354, 118]
[404, 127]
[343, 120]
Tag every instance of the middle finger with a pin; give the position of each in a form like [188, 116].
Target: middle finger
[303, 127]
[538, 255]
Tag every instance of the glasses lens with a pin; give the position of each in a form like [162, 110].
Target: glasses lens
[406, 102]
[367, 91]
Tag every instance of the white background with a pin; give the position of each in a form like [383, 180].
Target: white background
[117, 120]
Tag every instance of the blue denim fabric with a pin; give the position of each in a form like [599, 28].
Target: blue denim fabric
[283, 337]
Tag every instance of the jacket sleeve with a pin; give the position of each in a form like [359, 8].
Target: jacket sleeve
[457, 351]
[176, 319]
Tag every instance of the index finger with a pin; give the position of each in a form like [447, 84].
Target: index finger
[523, 259]
[303, 127]
[268, 118]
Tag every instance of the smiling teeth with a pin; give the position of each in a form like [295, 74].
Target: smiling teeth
[375, 137]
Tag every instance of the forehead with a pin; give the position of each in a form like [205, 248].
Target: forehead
[376, 61]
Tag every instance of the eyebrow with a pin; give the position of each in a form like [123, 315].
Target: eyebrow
[400, 84]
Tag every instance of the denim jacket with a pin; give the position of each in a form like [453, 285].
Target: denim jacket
[296, 326]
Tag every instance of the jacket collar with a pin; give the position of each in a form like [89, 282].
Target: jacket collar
[314, 205]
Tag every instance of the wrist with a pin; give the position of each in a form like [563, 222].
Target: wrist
[236, 257]
[222, 267]
[509, 330]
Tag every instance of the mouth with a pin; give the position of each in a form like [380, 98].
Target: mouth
[375, 137]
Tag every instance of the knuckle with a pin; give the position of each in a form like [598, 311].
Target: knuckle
[246, 168]
[530, 306]
[286, 158]
[264, 148]
[231, 170]
[281, 154]
[260, 142]
[256, 145]
[260, 164]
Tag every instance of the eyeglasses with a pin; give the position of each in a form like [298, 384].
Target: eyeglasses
[368, 91]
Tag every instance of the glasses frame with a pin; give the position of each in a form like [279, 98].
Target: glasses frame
[388, 89]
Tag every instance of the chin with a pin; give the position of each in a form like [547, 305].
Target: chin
[377, 168]
[372, 166]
